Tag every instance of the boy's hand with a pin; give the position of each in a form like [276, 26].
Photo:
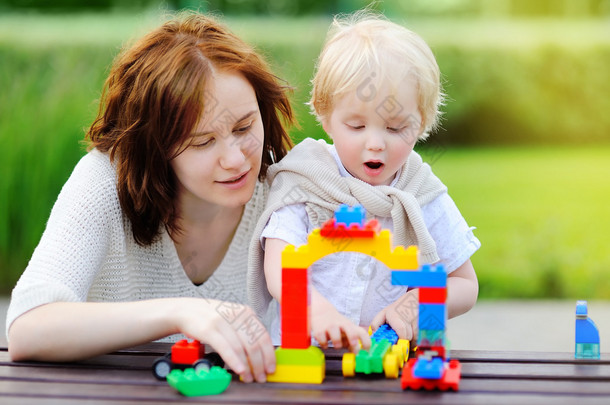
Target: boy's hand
[328, 325]
[401, 315]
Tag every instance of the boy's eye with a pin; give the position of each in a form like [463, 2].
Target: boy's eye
[397, 130]
[355, 126]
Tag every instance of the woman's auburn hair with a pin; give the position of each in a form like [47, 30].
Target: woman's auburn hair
[154, 97]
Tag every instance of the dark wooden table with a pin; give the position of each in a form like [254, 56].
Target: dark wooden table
[487, 378]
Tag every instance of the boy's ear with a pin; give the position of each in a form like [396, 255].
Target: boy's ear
[326, 127]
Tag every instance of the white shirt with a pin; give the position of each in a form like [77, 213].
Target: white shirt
[357, 285]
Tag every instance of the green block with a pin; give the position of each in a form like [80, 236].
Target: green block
[312, 356]
[193, 383]
[371, 361]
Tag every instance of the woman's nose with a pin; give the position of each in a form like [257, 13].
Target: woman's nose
[233, 155]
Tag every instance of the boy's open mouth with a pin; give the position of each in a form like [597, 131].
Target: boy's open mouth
[374, 165]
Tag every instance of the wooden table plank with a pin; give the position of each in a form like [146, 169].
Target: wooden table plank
[282, 394]
[487, 378]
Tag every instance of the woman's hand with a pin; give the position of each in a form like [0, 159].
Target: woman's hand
[234, 331]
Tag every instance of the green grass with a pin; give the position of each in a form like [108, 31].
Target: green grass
[540, 212]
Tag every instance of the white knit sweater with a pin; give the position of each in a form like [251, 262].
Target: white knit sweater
[87, 252]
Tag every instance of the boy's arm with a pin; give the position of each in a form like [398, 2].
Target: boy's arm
[462, 292]
[326, 322]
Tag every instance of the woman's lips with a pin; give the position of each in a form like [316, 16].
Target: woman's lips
[237, 181]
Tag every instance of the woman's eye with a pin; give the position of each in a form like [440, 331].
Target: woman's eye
[203, 143]
[244, 129]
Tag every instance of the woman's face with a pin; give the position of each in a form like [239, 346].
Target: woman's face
[222, 163]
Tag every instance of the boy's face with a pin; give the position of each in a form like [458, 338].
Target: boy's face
[374, 129]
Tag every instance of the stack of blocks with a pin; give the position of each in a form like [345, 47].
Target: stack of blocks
[431, 369]
[297, 361]
[587, 334]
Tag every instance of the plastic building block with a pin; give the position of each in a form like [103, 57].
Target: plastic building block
[586, 334]
[385, 331]
[449, 381]
[378, 247]
[294, 309]
[432, 369]
[432, 295]
[185, 352]
[432, 316]
[312, 356]
[350, 215]
[332, 229]
[299, 366]
[183, 355]
[299, 374]
[371, 361]
[385, 355]
[426, 277]
[192, 383]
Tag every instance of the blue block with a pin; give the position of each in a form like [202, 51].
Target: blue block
[350, 215]
[581, 309]
[432, 316]
[429, 369]
[586, 331]
[585, 328]
[385, 331]
[426, 277]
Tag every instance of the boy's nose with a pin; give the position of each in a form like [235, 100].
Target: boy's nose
[375, 141]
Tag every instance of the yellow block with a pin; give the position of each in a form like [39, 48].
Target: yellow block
[285, 373]
[378, 247]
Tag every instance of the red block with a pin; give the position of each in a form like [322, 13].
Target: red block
[296, 340]
[185, 352]
[331, 229]
[294, 308]
[295, 276]
[432, 295]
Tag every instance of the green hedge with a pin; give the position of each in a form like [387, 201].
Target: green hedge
[500, 94]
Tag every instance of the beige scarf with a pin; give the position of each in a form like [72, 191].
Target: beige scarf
[309, 174]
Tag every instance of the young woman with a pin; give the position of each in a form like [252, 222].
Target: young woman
[148, 238]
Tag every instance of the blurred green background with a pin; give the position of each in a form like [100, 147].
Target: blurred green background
[524, 146]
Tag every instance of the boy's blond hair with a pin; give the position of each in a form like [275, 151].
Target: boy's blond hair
[365, 48]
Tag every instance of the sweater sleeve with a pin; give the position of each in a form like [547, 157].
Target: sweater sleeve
[75, 242]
